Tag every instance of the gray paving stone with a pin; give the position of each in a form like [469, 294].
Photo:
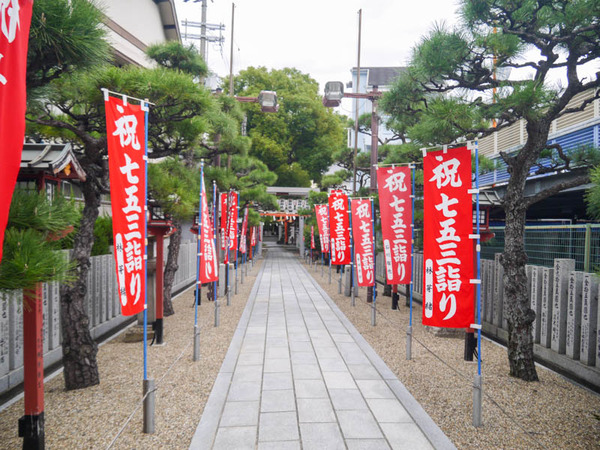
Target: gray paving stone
[375, 389]
[321, 436]
[245, 391]
[235, 437]
[277, 381]
[364, 372]
[304, 357]
[388, 410]
[359, 424]
[367, 444]
[327, 352]
[315, 410]
[405, 436]
[239, 414]
[277, 352]
[339, 380]
[279, 445]
[342, 337]
[248, 373]
[250, 359]
[278, 401]
[347, 399]
[278, 426]
[333, 365]
[277, 365]
[307, 372]
[310, 389]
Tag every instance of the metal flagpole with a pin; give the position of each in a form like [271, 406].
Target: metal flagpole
[196, 353]
[352, 265]
[227, 240]
[237, 250]
[374, 306]
[329, 239]
[477, 384]
[216, 300]
[412, 252]
[148, 385]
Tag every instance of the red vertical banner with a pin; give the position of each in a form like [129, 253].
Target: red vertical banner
[394, 187]
[362, 232]
[447, 247]
[312, 237]
[244, 231]
[223, 227]
[232, 222]
[340, 228]
[253, 237]
[208, 258]
[322, 213]
[14, 37]
[126, 147]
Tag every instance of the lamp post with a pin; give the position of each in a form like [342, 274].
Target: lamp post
[334, 92]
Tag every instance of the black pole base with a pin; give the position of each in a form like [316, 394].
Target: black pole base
[158, 331]
[470, 345]
[31, 429]
[369, 294]
[395, 298]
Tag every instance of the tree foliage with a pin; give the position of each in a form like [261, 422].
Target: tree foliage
[303, 131]
[450, 92]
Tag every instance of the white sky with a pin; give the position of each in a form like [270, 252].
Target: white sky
[318, 37]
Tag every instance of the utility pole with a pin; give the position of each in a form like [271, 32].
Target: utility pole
[231, 69]
[203, 32]
[356, 90]
[374, 140]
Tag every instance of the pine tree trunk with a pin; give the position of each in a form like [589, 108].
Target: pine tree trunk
[171, 268]
[520, 316]
[79, 349]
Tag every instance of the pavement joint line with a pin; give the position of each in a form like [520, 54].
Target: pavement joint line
[430, 429]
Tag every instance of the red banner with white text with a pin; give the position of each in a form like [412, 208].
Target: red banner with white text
[223, 208]
[244, 231]
[14, 37]
[322, 213]
[362, 232]
[232, 218]
[312, 237]
[208, 259]
[126, 148]
[447, 248]
[395, 206]
[340, 228]
[253, 236]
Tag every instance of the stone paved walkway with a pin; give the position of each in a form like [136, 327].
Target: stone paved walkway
[299, 375]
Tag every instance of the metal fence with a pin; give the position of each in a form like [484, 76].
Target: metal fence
[544, 244]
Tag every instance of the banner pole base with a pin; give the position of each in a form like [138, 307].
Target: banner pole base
[217, 315]
[196, 356]
[373, 313]
[31, 429]
[149, 391]
[409, 343]
[477, 397]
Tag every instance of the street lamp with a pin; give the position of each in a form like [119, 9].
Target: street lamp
[334, 92]
[266, 99]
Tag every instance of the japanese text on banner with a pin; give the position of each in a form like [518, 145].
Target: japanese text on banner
[448, 250]
[322, 213]
[362, 231]
[340, 228]
[396, 220]
[126, 148]
[208, 258]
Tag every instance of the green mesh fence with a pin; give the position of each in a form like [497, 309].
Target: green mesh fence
[544, 244]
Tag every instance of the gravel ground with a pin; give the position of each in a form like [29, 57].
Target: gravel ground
[551, 414]
[91, 418]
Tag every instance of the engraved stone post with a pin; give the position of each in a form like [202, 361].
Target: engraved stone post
[573, 337]
[498, 291]
[536, 300]
[546, 307]
[562, 269]
[589, 308]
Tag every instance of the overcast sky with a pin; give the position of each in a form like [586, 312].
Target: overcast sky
[318, 37]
